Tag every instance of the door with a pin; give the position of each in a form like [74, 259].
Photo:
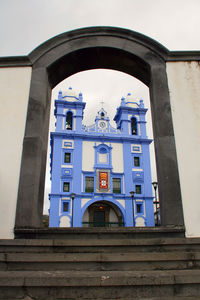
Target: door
[99, 218]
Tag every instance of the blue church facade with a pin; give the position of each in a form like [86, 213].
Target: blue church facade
[94, 168]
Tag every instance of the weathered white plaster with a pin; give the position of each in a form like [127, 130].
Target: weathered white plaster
[122, 202]
[14, 87]
[86, 216]
[84, 201]
[88, 156]
[68, 166]
[65, 221]
[112, 216]
[117, 157]
[102, 158]
[139, 222]
[70, 94]
[184, 88]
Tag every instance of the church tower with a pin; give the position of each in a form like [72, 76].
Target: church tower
[69, 111]
[130, 117]
[65, 155]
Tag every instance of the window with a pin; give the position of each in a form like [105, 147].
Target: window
[138, 189]
[67, 158]
[89, 184]
[136, 161]
[133, 126]
[103, 150]
[69, 121]
[139, 208]
[116, 185]
[65, 206]
[66, 186]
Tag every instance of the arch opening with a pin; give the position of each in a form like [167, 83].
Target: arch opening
[133, 126]
[98, 58]
[102, 214]
[91, 48]
[69, 120]
[110, 86]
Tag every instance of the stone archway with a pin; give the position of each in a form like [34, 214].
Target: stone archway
[92, 48]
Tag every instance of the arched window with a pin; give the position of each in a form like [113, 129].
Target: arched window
[103, 150]
[102, 115]
[69, 121]
[134, 126]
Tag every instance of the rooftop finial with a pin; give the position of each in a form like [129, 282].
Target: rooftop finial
[80, 96]
[141, 103]
[60, 95]
[102, 103]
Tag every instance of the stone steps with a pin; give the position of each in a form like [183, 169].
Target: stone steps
[100, 232]
[99, 284]
[100, 245]
[100, 261]
[154, 267]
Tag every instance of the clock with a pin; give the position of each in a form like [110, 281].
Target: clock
[102, 124]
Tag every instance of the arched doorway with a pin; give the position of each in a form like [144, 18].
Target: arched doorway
[92, 48]
[102, 214]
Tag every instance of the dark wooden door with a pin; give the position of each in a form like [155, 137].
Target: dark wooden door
[99, 218]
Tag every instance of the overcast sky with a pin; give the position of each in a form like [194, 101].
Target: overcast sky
[25, 24]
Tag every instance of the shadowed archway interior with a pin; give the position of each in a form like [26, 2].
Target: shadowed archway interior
[102, 214]
[98, 58]
[85, 49]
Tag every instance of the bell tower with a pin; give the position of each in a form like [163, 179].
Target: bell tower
[69, 111]
[130, 117]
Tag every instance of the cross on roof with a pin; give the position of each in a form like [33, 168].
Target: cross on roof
[102, 103]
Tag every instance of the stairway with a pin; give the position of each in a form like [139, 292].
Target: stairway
[94, 264]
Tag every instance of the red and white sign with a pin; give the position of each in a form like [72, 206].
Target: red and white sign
[103, 180]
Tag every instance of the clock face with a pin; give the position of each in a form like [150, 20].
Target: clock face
[102, 124]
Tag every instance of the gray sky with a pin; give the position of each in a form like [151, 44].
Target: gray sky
[25, 24]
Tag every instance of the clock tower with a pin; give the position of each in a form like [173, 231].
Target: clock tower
[102, 121]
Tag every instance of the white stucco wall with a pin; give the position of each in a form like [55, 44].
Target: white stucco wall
[14, 87]
[88, 156]
[86, 216]
[184, 87]
[65, 221]
[112, 216]
[117, 157]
